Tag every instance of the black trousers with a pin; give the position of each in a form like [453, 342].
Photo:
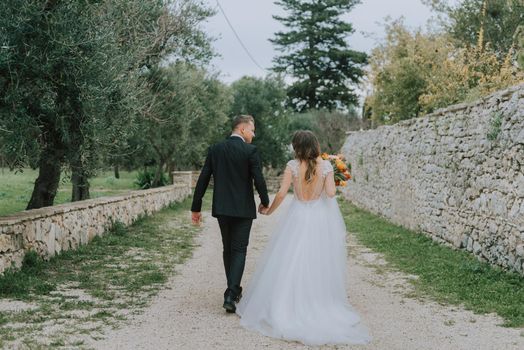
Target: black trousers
[235, 238]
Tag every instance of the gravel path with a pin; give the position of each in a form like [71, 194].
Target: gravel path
[188, 314]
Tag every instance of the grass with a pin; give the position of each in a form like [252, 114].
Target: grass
[16, 188]
[98, 284]
[446, 275]
[495, 124]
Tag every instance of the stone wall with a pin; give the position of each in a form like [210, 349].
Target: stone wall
[50, 230]
[457, 175]
[272, 182]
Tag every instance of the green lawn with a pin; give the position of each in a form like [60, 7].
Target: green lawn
[16, 188]
[446, 275]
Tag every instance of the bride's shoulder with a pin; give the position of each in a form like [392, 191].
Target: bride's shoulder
[326, 167]
[293, 165]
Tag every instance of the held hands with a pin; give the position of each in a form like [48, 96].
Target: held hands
[263, 210]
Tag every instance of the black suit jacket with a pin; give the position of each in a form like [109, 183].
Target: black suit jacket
[235, 165]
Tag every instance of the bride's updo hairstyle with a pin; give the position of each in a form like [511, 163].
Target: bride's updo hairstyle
[307, 148]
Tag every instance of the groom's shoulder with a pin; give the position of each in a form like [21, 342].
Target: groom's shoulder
[232, 143]
[251, 149]
[228, 143]
[219, 144]
[247, 148]
[243, 145]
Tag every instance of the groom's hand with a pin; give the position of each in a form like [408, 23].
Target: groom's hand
[196, 217]
[262, 209]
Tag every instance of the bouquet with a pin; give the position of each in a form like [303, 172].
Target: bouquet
[341, 169]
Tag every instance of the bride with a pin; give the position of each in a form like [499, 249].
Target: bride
[297, 291]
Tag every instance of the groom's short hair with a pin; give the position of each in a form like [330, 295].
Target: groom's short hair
[244, 118]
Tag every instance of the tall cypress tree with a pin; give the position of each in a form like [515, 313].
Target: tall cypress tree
[316, 54]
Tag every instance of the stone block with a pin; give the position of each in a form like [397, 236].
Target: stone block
[10, 243]
[476, 247]
[519, 251]
[469, 246]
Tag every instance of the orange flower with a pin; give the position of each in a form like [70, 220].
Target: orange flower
[343, 183]
[347, 175]
[324, 156]
[341, 166]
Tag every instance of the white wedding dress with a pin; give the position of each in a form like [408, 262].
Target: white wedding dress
[298, 289]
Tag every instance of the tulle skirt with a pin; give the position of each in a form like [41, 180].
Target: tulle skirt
[298, 289]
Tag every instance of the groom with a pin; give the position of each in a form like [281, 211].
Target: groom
[235, 164]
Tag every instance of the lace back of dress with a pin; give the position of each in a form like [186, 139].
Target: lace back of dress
[303, 190]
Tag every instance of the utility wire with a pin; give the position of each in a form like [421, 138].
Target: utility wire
[238, 37]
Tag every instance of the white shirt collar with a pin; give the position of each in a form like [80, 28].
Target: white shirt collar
[233, 134]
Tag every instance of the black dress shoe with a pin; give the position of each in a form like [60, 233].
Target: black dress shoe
[239, 296]
[229, 302]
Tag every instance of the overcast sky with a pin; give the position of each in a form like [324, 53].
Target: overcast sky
[252, 20]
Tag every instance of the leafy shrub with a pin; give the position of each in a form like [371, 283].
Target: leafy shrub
[144, 179]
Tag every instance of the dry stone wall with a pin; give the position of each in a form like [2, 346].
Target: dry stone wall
[50, 230]
[457, 175]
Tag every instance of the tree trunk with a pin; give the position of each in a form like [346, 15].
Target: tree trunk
[46, 185]
[117, 172]
[158, 174]
[79, 172]
[80, 182]
[170, 169]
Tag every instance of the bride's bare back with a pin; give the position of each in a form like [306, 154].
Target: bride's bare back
[312, 190]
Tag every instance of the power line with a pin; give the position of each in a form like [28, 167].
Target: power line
[238, 37]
